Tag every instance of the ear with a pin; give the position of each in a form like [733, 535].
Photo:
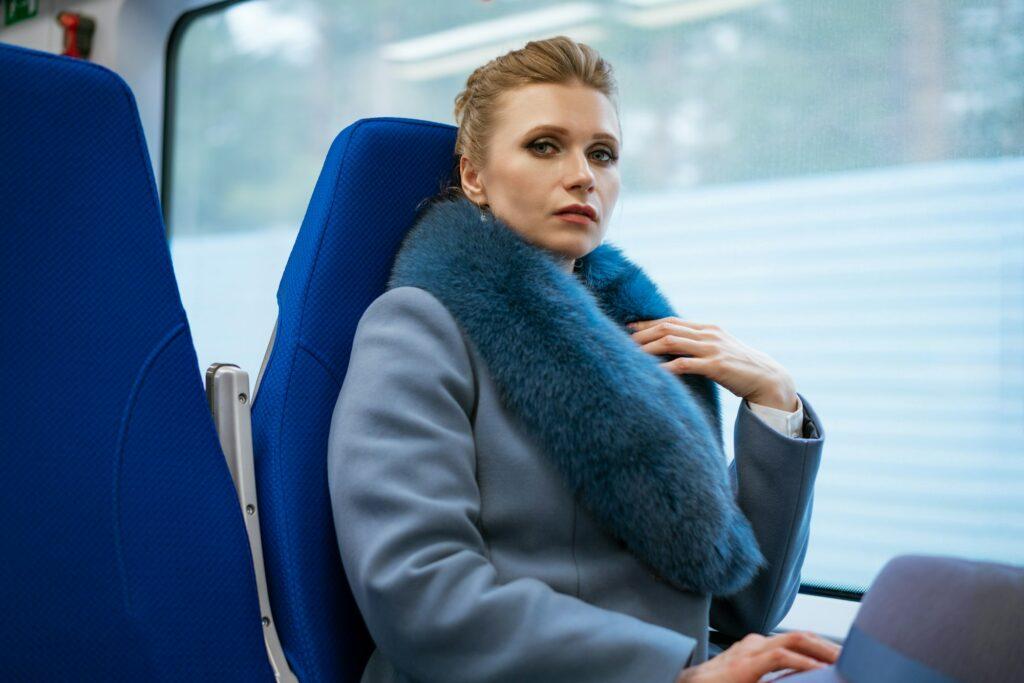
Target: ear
[472, 186]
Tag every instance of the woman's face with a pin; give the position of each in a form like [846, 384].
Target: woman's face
[553, 145]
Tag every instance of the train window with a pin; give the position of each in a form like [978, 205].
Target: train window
[838, 184]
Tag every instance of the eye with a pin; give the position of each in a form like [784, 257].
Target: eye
[611, 157]
[540, 143]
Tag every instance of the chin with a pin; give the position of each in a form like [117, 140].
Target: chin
[574, 251]
[570, 244]
[579, 248]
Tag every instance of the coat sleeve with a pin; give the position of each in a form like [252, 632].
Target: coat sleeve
[406, 504]
[772, 477]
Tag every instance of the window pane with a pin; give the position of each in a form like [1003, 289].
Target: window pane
[837, 184]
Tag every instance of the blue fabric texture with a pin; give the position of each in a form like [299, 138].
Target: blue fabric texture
[125, 556]
[638, 447]
[376, 172]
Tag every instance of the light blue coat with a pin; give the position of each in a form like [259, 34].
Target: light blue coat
[468, 556]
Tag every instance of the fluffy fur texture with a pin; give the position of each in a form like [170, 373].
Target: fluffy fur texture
[639, 448]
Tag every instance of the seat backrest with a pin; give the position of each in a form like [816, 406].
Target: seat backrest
[376, 173]
[124, 553]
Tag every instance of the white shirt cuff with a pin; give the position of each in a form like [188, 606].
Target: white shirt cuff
[789, 423]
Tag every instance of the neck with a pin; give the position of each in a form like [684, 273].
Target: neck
[566, 264]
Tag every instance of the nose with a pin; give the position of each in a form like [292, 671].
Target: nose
[579, 175]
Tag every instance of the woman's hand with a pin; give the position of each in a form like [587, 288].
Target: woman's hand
[747, 660]
[711, 351]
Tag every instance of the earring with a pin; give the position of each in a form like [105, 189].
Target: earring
[484, 213]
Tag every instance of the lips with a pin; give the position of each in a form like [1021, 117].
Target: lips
[579, 209]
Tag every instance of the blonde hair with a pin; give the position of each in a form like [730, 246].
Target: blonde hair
[559, 60]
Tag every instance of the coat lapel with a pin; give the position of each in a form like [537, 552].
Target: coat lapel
[640, 449]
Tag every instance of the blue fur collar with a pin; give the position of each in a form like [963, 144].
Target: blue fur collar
[640, 449]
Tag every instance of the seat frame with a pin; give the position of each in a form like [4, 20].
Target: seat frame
[227, 391]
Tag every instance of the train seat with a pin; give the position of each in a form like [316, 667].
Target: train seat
[125, 554]
[376, 173]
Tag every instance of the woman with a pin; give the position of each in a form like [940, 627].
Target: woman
[521, 491]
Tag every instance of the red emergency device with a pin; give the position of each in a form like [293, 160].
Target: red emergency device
[78, 32]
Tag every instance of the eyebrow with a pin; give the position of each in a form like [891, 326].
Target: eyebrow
[601, 135]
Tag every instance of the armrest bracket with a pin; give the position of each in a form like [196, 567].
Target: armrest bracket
[227, 390]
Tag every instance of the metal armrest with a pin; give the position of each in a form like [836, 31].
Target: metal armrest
[227, 390]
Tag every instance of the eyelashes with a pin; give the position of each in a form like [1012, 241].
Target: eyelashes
[611, 158]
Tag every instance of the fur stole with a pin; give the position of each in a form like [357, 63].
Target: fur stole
[640, 448]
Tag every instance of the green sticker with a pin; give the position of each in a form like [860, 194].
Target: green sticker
[19, 10]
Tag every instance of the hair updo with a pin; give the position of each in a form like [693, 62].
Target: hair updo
[559, 60]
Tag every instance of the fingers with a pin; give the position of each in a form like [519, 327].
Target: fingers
[749, 659]
[645, 324]
[676, 345]
[653, 329]
[781, 658]
[690, 366]
[808, 643]
[801, 651]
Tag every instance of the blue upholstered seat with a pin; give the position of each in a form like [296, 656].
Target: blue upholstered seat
[376, 173]
[123, 554]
